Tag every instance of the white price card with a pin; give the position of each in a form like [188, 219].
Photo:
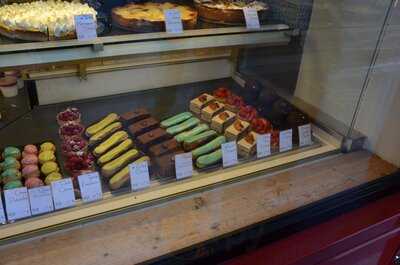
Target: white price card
[229, 154]
[63, 193]
[85, 27]
[263, 145]
[173, 21]
[140, 177]
[251, 17]
[2, 214]
[285, 140]
[90, 187]
[17, 203]
[305, 135]
[41, 200]
[183, 165]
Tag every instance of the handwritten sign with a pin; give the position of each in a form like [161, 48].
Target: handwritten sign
[2, 214]
[263, 145]
[173, 21]
[85, 27]
[90, 187]
[63, 193]
[229, 154]
[285, 140]
[140, 177]
[305, 135]
[41, 200]
[251, 17]
[17, 203]
[183, 165]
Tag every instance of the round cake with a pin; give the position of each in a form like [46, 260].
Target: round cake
[149, 17]
[228, 11]
[42, 20]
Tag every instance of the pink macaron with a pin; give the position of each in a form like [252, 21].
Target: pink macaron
[33, 183]
[30, 171]
[29, 159]
[30, 149]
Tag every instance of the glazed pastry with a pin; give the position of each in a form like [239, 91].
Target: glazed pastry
[166, 164]
[13, 185]
[12, 151]
[233, 103]
[196, 130]
[30, 149]
[247, 145]
[104, 133]
[198, 140]
[10, 162]
[200, 102]
[261, 126]
[33, 183]
[247, 113]
[209, 147]
[46, 156]
[49, 167]
[210, 159]
[115, 152]
[52, 177]
[47, 146]
[237, 130]
[211, 110]
[29, 159]
[221, 121]
[186, 125]
[95, 128]
[31, 171]
[221, 94]
[113, 166]
[174, 120]
[143, 126]
[113, 140]
[134, 116]
[10, 174]
[123, 176]
[164, 147]
[153, 137]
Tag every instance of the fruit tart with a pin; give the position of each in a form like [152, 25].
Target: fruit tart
[70, 129]
[261, 126]
[75, 145]
[247, 113]
[221, 94]
[69, 115]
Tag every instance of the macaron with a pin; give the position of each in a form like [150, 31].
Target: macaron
[33, 183]
[52, 177]
[12, 151]
[49, 167]
[30, 171]
[29, 159]
[30, 149]
[46, 156]
[13, 185]
[47, 146]
[10, 162]
[10, 175]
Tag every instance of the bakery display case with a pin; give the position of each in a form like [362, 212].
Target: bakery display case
[139, 115]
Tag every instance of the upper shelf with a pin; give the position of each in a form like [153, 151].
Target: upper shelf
[25, 54]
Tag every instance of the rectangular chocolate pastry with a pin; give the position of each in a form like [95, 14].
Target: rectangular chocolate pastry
[166, 164]
[134, 116]
[153, 137]
[143, 126]
[164, 148]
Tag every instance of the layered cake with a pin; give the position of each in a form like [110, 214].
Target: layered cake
[200, 102]
[247, 145]
[228, 12]
[211, 110]
[221, 121]
[42, 20]
[143, 126]
[148, 17]
[134, 116]
[237, 130]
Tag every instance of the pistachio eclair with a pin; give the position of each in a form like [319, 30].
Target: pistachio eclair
[174, 120]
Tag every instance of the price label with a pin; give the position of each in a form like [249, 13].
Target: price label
[90, 187]
[251, 17]
[41, 200]
[17, 203]
[2, 214]
[85, 27]
[263, 145]
[285, 140]
[140, 177]
[63, 193]
[229, 154]
[305, 135]
[183, 166]
[173, 21]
